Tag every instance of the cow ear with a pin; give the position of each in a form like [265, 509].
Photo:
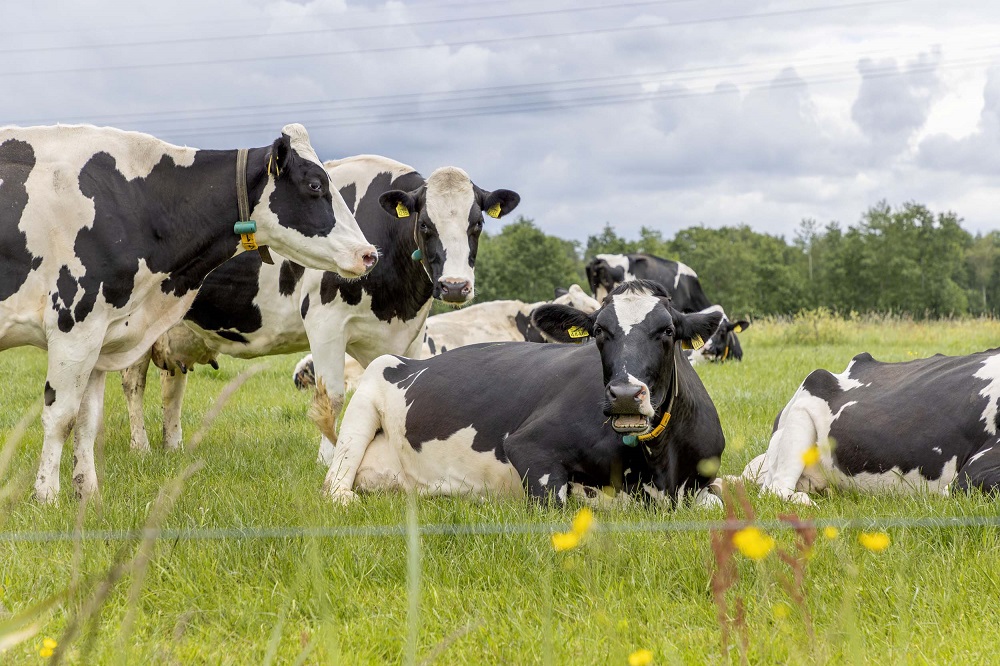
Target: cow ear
[691, 330]
[498, 203]
[740, 326]
[398, 203]
[560, 291]
[281, 155]
[561, 323]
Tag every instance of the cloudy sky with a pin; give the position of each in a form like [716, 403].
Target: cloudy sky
[666, 113]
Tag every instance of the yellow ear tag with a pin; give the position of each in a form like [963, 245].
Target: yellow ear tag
[402, 210]
[494, 212]
[577, 332]
[738, 329]
[697, 342]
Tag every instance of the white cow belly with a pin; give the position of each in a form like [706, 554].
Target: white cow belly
[895, 480]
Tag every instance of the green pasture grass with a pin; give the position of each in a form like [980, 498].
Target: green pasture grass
[486, 598]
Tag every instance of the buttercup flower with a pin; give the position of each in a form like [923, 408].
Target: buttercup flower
[811, 456]
[874, 541]
[640, 658]
[583, 521]
[831, 532]
[565, 541]
[781, 610]
[753, 543]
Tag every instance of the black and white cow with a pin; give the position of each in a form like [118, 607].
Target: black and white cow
[923, 425]
[427, 231]
[607, 271]
[106, 237]
[493, 321]
[723, 345]
[510, 417]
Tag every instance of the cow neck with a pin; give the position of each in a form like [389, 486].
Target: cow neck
[203, 235]
[665, 416]
[246, 228]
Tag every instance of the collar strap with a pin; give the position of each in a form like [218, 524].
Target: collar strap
[725, 352]
[417, 254]
[245, 227]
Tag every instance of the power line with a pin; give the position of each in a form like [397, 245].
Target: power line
[362, 28]
[508, 39]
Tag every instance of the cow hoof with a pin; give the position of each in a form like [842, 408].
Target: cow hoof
[707, 500]
[140, 447]
[801, 498]
[342, 496]
[46, 495]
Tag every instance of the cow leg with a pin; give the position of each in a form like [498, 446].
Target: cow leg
[982, 471]
[783, 462]
[362, 420]
[65, 385]
[88, 425]
[172, 387]
[134, 386]
[328, 361]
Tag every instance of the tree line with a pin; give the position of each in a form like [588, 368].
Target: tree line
[903, 260]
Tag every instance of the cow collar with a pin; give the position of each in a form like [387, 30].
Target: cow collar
[418, 255]
[633, 440]
[245, 227]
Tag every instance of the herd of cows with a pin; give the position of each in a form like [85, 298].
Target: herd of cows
[118, 250]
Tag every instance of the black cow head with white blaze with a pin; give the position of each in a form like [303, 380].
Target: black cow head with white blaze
[724, 345]
[605, 272]
[303, 217]
[447, 214]
[636, 331]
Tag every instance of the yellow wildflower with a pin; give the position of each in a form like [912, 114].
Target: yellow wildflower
[781, 610]
[708, 466]
[831, 532]
[583, 521]
[640, 658]
[50, 643]
[753, 543]
[622, 624]
[811, 456]
[874, 541]
[565, 541]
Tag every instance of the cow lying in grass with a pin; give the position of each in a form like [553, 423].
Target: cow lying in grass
[515, 417]
[923, 425]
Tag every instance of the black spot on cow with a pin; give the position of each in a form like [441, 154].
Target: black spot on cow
[291, 193]
[62, 298]
[230, 335]
[430, 343]
[527, 329]
[156, 219]
[50, 394]
[289, 276]
[350, 194]
[17, 159]
[304, 310]
[233, 285]
[398, 285]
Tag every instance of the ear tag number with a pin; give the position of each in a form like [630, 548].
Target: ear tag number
[577, 332]
[694, 343]
[494, 211]
[402, 210]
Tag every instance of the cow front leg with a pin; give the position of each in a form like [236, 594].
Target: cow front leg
[329, 366]
[134, 386]
[172, 386]
[66, 382]
[88, 425]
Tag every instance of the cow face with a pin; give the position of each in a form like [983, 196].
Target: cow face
[305, 219]
[635, 330]
[724, 345]
[607, 271]
[448, 213]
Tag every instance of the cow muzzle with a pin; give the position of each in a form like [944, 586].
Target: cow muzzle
[455, 291]
[625, 402]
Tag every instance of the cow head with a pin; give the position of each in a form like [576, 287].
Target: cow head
[607, 271]
[636, 331]
[447, 212]
[724, 345]
[305, 219]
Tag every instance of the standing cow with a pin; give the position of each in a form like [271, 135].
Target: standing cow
[106, 237]
[927, 424]
[510, 417]
[428, 233]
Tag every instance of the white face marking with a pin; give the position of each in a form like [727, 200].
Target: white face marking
[632, 309]
[543, 480]
[990, 372]
[683, 269]
[449, 199]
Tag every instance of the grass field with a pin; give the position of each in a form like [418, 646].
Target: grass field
[483, 598]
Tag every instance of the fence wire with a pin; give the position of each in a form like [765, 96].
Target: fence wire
[487, 529]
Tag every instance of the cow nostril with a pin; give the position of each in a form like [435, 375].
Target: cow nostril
[369, 259]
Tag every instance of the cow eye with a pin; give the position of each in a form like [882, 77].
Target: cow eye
[315, 186]
[667, 333]
[424, 228]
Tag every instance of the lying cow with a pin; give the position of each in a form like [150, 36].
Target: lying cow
[493, 321]
[928, 424]
[428, 232]
[505, 418]
[606, 271]
[106, 237]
